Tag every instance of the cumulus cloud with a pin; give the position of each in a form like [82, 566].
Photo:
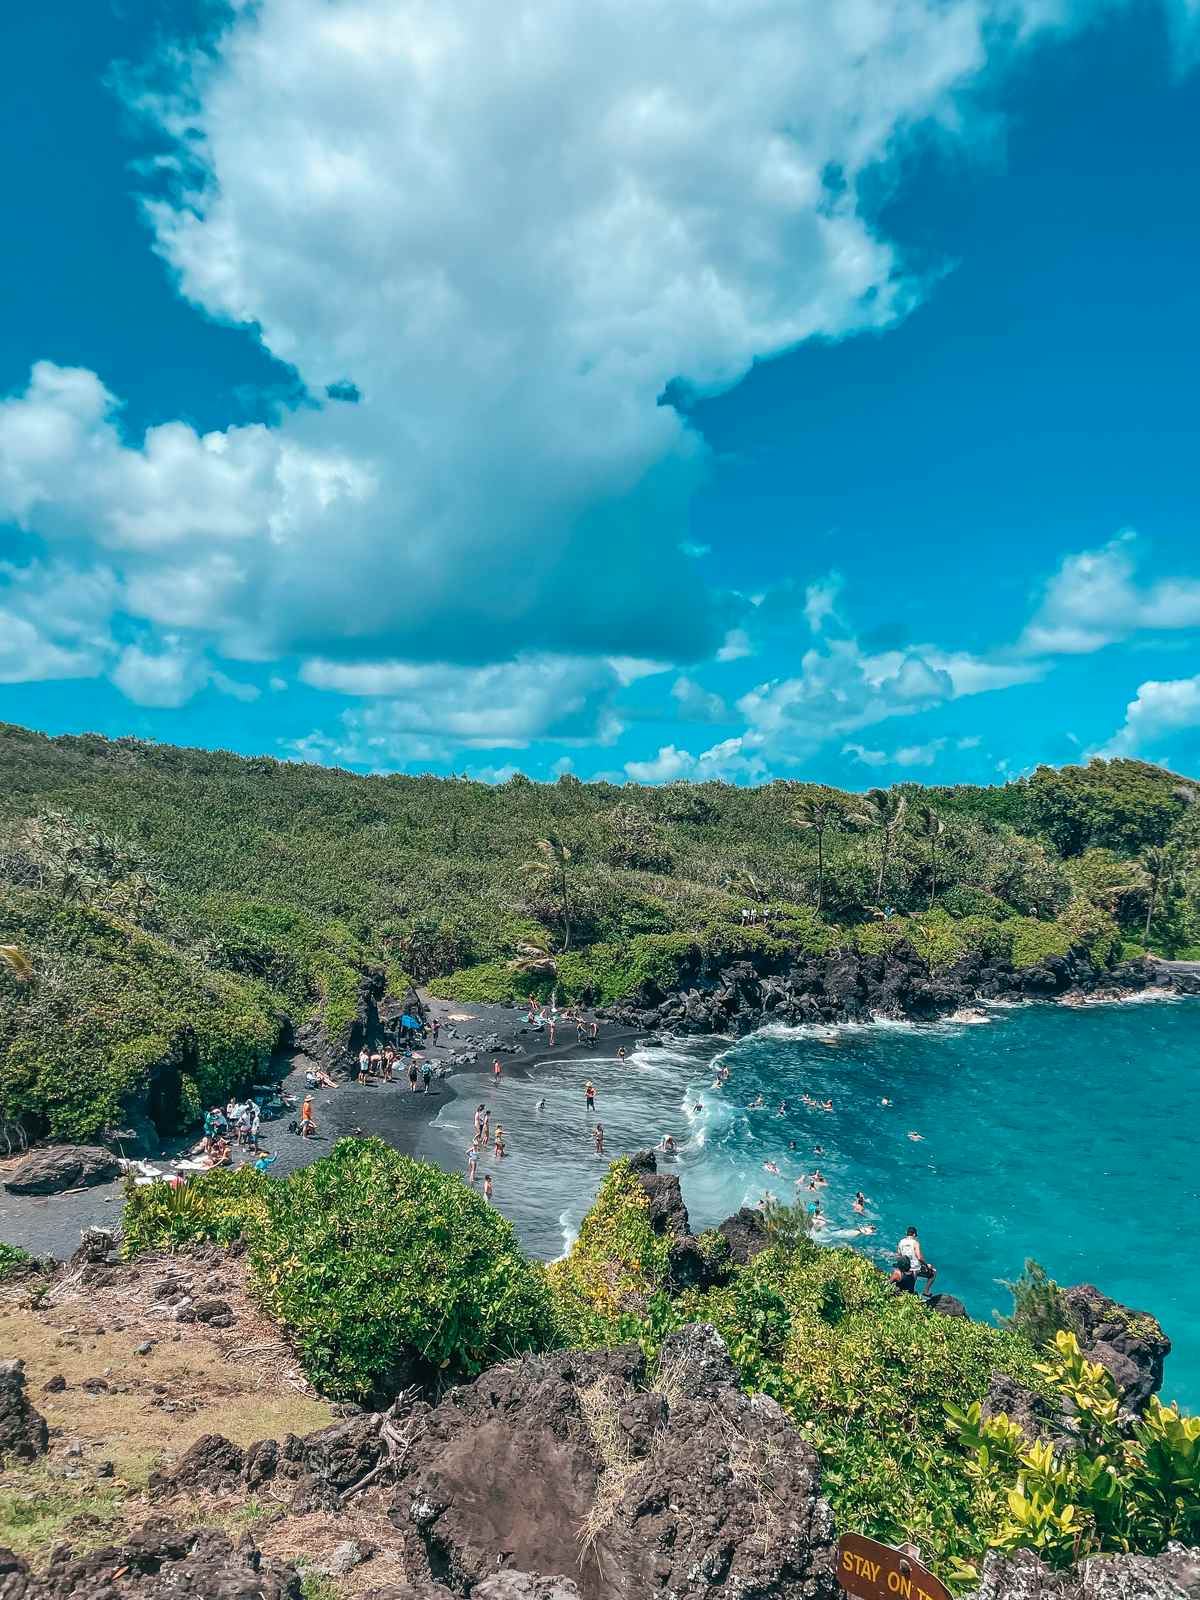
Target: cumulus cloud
[908, 755]
[1158, 710]
[500, 231]
[728, 761]
[820, 600]
[1094, 599]
[436, 707]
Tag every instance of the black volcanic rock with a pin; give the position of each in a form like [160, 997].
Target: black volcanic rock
[54, 1168]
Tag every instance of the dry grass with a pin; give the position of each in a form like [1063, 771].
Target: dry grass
[195, 1380]
[670, 1379]
[753, 1463]
[240, 1382]
[599, 1407]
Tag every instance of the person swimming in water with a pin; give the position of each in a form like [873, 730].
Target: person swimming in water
[667, 1145]
[541, 1105]
[782, 1112]
[916, 1137]
[757, 1103]
[770, 1166]
[860, 1202]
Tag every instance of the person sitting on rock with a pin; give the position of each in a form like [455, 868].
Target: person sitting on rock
[911, 1263]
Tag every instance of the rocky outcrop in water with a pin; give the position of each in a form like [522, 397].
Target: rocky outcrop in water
[736, 997]
[1131, 1344]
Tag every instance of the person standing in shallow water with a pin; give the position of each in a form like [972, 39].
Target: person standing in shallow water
[590, 1096]
[598, 1137]
[487, 1188]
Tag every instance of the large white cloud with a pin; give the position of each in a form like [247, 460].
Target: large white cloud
[509, 227]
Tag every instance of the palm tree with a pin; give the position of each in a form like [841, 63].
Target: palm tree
[534, 958]
[886, 812]
[17, 962]
[931, 827]
[1158, 862]
[743, 881]
[552, 868]
[819, 815]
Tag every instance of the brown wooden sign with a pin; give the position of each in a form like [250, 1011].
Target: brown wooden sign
[874, 1571]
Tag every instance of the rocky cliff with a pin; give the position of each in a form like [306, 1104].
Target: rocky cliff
[736, 997]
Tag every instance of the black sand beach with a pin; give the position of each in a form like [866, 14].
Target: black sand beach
[52, 1224]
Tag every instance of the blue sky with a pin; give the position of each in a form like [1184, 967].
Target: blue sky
[770, 392]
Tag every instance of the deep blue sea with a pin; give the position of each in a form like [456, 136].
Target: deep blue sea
[1067, 1134]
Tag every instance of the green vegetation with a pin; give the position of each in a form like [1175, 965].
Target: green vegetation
[166, 912]
[382, 1269]
[865, 1374]
[1102, 1490]
[14, 1260]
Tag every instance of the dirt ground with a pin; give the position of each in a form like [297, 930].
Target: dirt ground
[122, 1415]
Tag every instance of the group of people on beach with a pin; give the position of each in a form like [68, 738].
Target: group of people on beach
[379, 1065]
[236, 1125]
[539, 1017]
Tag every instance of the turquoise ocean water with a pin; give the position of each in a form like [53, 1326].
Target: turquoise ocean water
[1063, 1133]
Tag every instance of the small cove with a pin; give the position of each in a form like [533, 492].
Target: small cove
[1062, 1133]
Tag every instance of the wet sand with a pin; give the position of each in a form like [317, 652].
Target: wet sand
[52, 1224]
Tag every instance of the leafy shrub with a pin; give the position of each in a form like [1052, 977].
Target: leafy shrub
[1033, 941]
[212, 1207]
[377, 1264]
[492, 982]
[1039, 1309]
[14, 1260]
[865, 1374]
[1106, 1491]
[617, 1263]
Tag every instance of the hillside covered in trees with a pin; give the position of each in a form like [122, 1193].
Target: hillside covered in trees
[161, 904]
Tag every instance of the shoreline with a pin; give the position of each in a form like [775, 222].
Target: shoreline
[51, 1225]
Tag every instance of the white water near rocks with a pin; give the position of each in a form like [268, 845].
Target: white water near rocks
[1065, 1133]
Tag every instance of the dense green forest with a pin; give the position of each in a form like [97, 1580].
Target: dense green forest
[161, 904]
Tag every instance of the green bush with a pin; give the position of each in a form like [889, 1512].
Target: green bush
[866, 1375]
[1039, 1309]
[1106, 1490]
[492, 982]
[14, 1260]
[215, 1207]
[376, 1263]
[615, 1266]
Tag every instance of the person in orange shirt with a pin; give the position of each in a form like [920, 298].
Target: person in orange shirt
[307, 1126]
